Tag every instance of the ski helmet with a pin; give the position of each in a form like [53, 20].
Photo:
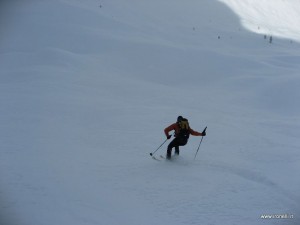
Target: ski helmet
[179, 118]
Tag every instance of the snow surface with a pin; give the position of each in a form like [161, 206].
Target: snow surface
[276, 17]
[87, 88]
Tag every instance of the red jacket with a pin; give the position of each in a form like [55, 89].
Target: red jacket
[175, 127]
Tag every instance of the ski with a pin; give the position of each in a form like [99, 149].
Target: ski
[153, 157]
[161, 157]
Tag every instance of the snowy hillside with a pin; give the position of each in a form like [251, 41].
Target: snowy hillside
[278, 17]
[87, 88]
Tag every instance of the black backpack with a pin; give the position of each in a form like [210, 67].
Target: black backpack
[184, 129]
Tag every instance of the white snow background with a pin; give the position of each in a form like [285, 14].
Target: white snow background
[87, 88]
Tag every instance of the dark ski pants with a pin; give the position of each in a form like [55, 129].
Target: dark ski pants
[175, 144]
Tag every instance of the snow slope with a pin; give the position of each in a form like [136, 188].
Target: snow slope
[87, 88]
[280, 18]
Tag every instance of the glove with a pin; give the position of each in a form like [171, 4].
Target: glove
[204, 133]
[169, 136]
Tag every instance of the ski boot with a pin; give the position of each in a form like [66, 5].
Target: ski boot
[177, 151]
[168, 156]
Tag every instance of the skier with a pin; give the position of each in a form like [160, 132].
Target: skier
[182, 133]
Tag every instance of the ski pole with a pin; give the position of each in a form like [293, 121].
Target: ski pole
[158, 147]
[200, 143]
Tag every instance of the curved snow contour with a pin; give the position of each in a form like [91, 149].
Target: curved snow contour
[277, 17]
